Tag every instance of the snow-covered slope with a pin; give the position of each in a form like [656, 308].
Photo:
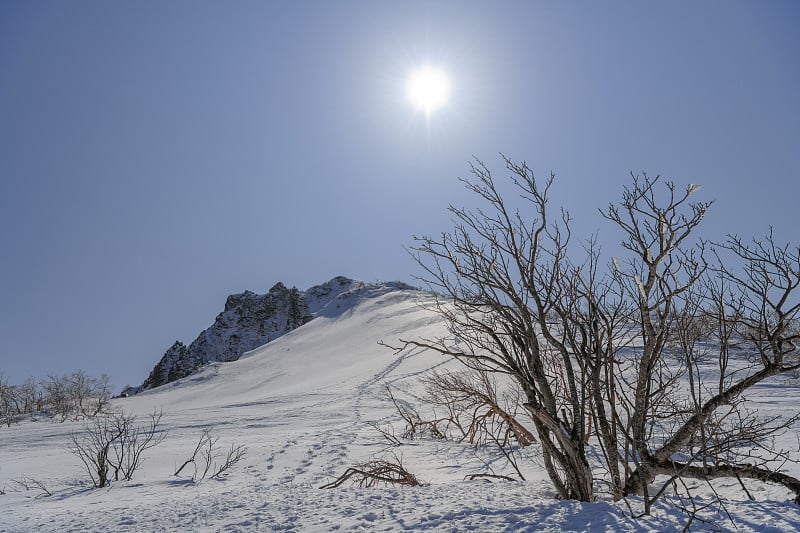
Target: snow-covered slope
[306, 405]
[250, 320]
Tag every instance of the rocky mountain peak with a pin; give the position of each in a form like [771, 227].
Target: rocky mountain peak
[277, 288]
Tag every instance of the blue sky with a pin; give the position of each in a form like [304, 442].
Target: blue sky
[157, 156]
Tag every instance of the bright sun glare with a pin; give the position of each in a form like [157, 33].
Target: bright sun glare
[428, 89]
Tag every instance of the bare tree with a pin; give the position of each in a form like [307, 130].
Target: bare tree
[475, 408]
[9, 401]
[27, 484]
[128, 450]
[474, 411]
[75, 396]
[88, 396]
[30, 396]
[56, 397]
[665, 279]
[18, 400]
[610, 355]
[661, 268]
[115, 444]
[416, 425]
[205, 457]
[502, 277]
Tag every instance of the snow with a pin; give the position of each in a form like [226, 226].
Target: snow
[305, 405]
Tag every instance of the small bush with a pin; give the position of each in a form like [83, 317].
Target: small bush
[206, 465]
[115, 444]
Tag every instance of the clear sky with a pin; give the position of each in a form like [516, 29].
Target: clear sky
[157, 156]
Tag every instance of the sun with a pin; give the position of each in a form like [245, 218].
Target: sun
[428, 89]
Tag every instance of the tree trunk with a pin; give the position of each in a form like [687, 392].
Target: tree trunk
[569, 454]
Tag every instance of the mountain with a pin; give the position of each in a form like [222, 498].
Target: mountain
[250, 320]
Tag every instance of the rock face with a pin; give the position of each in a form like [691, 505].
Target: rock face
[250, 320]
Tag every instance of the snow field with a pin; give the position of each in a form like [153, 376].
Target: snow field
[303, 405]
